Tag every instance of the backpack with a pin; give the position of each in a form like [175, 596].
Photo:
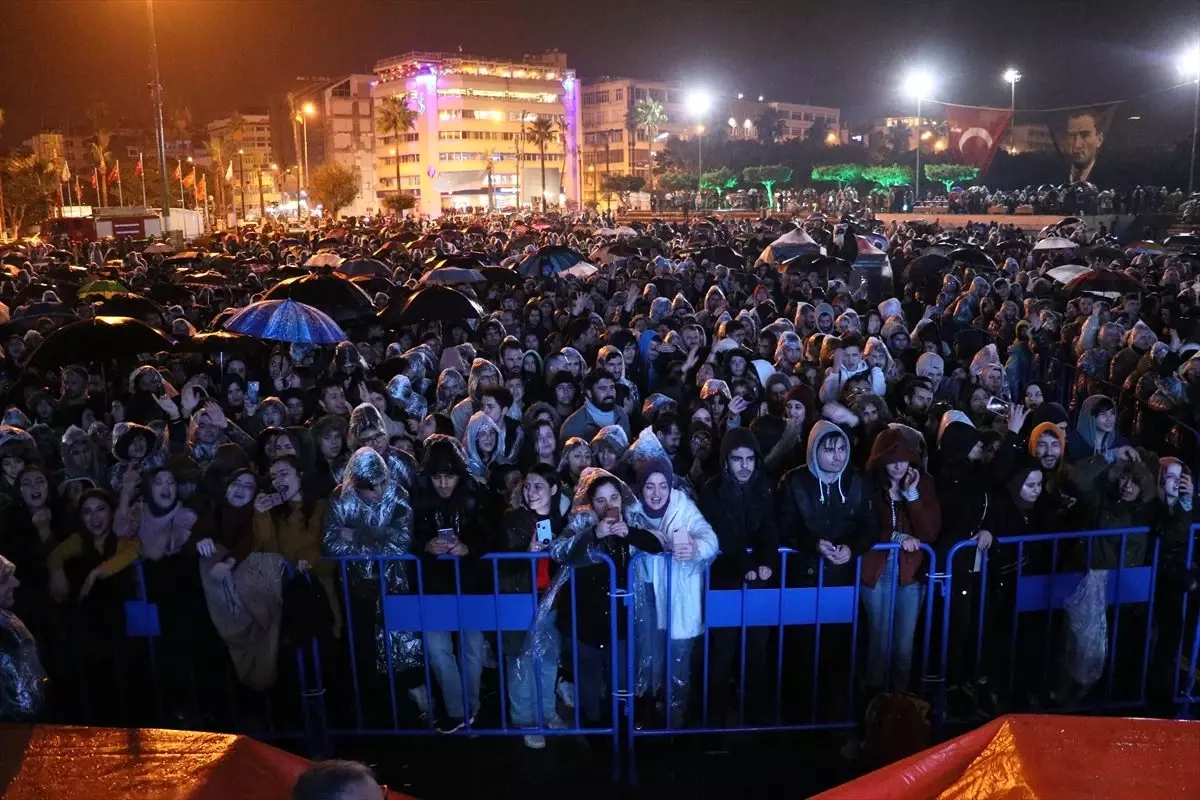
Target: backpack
[897, 726]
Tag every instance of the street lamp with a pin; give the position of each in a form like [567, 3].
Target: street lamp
[1012, 77]
[1189, 67]
[306, 111]
[918, 83]
[242, 179]
[698, 102]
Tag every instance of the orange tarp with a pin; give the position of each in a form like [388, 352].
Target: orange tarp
[65, 763]
[1051, 757]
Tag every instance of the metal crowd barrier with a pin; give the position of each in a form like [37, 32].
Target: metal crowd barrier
[1184, 685]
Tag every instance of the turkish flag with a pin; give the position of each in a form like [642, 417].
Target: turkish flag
[975, 133]
[137, 171]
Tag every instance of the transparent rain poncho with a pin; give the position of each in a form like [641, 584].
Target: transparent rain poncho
[22, 678]
[381, 528]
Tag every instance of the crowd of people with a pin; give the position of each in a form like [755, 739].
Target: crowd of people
[672, 411]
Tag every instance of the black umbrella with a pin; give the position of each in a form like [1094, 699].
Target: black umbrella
[470, 260]
[128, 305]
[721, 254]
[98, 339]
[827, 267]
[1108, 253]
[501, 275]
[1181, 240]
[431, 304]
[354, 267]
[971, 257]
[35, 311]
[336, 295]
[1103, 281]
[927, 270]
[374, 284]
[213, 342]
[550, 260]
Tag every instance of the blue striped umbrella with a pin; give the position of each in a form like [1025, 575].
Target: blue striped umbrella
[286, 321]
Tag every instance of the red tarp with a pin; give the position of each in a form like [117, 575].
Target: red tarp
[1034, 757]
[66, 763]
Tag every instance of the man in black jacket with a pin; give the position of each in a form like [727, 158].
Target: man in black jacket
[738, 505]
[446, 521]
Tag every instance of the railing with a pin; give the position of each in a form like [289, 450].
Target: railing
[795, 645]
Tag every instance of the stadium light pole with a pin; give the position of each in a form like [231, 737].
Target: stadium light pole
[160, 133]
[918, 83]
[1189, 67]
[1012, 77]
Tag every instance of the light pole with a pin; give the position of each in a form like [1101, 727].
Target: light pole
[1012, 77]
[1189, 67]
[156, 90]
[698, 102]
[918, 84]
[242, 179]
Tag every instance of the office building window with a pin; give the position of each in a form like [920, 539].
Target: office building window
[342, 89]
[620, 95]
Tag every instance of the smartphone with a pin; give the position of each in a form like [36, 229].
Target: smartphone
[544, 533]
[252, 392]
[614, 514]
[998, 406]
[446, 534]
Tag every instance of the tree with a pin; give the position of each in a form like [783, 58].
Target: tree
[31, 182]
[541, 133]
[399, 203]
[950, 174]
[333, 186]
[648, 116]
[678, 181]
[623, 186]
[393, 117]
[770, 125]
[720, 181]
[217, 154]
[841, 174]
[899, 136]
[98, 117]
[889, 175]
[768, 176]
[817, 133]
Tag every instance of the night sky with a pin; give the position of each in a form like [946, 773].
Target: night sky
[58, 56]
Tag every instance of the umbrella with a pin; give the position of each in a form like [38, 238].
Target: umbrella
[431, 304]
[448, 275]
[354, 267]
[1068, 272]
[1138, 248]
[624, 230]
[373, 284]
[184, 258]
[971, 257]
[168, 293]
[1181, 240]
[386, 248]
[286, 320]
[158, 248]
[103, 289]
[1103, 281]
[334, 294]
[324, 260]
[582, 271]
[477, 230]
[549, 260]
[646, 243]
[791, 244]
[826, 266]
[617, 251]
[1055, 243]
[329, 244]
[212, 342]
[469, 260]
[500, 275]
[98, 339]
[31, 312]
[721, 254]
[129, 305]
[207, 278]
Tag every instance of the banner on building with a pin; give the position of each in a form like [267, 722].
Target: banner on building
[1079, 135]
[975, 133]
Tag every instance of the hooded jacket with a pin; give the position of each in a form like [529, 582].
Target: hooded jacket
[813, 505]
[1096, 482]
[477, 463]
[964, 486]
[916, 514]
[462, 512]
[461, 413]
[1086, 439]
[742, 515]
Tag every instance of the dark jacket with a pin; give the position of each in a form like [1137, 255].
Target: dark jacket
[516, 530]
[742, 515]
[809, 510]
[967, 489]
[592, 611]
[920, 517]
[1096, 483]
[462, 512]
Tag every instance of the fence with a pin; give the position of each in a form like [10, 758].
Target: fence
[795, 647]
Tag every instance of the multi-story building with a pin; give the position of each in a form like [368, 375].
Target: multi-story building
[741, 117]
[47, 145]
[338, 126]
[471, 145]
[1029, 138]
[248, 150]
[930, 131]
[613, 144]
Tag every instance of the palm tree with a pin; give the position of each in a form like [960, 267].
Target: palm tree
[899, 136]
[33, 183]
[770, 125]
[98, 117]
[490, 159]
[294, 116]
[392, 118]
[648, 116]
[541, 132]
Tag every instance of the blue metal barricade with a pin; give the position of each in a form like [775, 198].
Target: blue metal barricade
[1033, 584]
[476, 620]
[1187, 648]
[659, 665]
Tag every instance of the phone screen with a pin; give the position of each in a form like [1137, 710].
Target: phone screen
[544, 533]
[446, 534]
[252, 392]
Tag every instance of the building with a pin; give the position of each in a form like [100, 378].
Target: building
[741, 116]
[612, 142]
[47, 146]
[472, 131]
[249, 160]
[338, 126]
[930, 131]
[1029, 138]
